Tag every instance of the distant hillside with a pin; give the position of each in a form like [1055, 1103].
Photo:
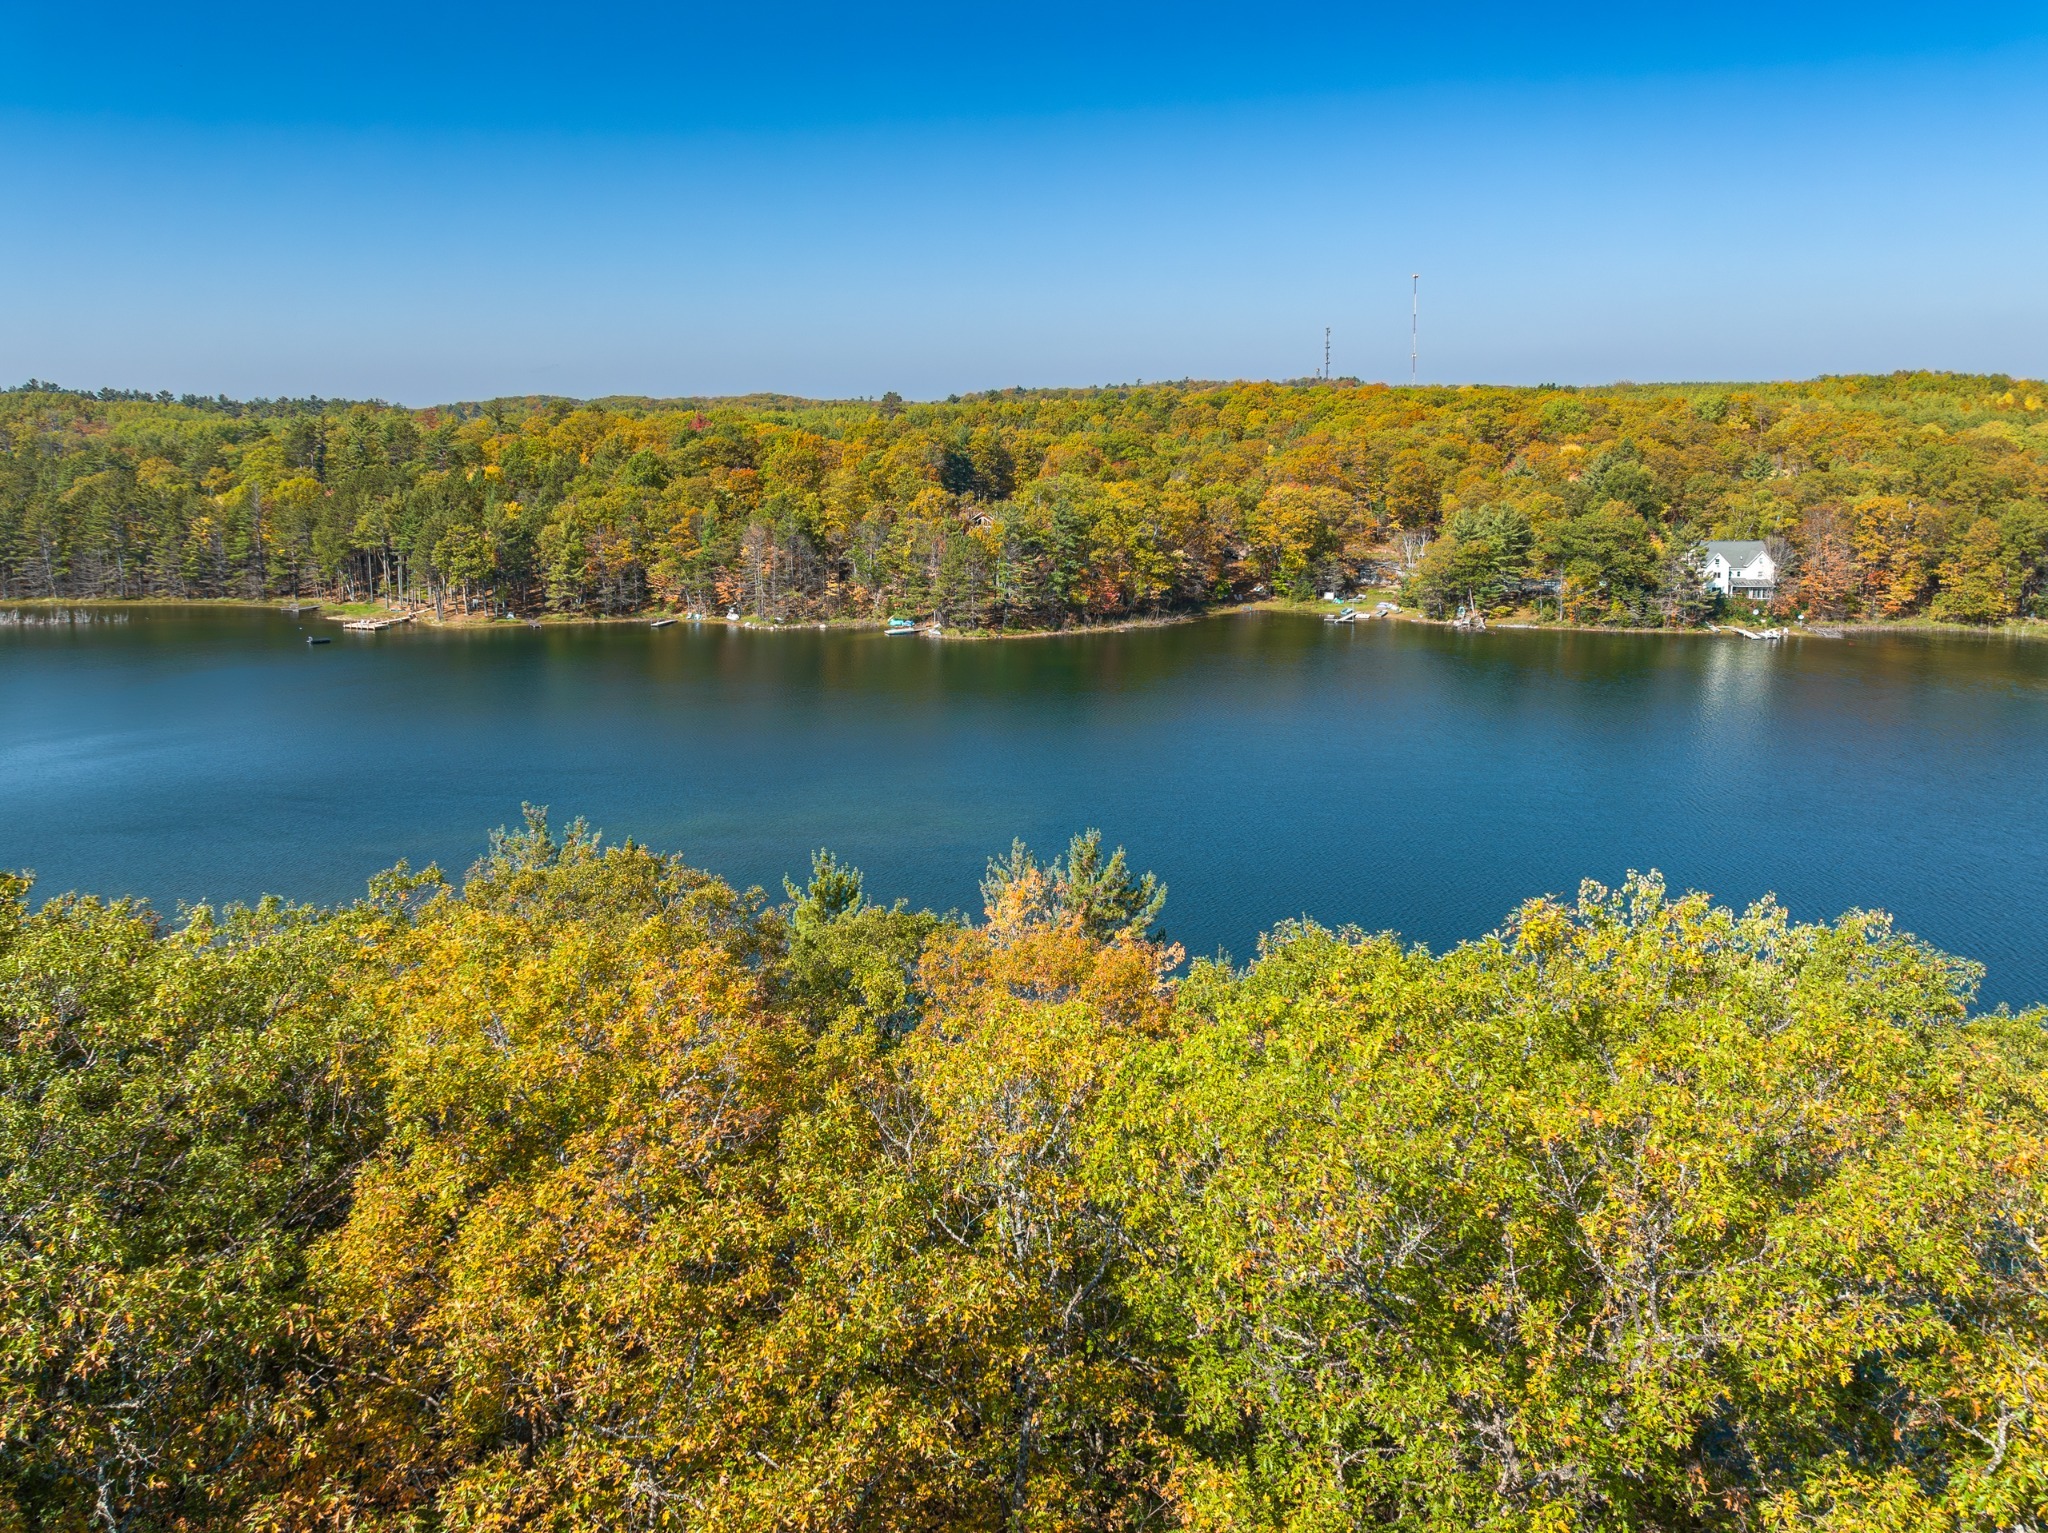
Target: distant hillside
[1888, 496]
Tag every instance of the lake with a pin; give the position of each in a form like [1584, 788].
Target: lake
[1392, 776]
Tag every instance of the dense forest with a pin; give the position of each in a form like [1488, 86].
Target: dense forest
[1885, 497]
[595, 1194]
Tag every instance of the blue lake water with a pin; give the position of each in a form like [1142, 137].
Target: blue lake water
[1392, 776]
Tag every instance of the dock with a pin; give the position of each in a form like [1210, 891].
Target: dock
[375, 624]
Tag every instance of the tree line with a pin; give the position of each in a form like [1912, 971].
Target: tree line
[1884, 496]
[596, 1194]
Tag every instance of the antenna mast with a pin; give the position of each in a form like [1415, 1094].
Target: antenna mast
[1414, 321]
[1326, 353]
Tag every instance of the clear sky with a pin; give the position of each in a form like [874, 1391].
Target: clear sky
[424, 204]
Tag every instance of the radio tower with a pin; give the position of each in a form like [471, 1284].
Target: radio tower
[1414, 321]
[1326, 353]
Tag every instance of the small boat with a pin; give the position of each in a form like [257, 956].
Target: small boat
[732, 614]
[319, 641]
[901, 625]
[662, 622]
[1346, 616]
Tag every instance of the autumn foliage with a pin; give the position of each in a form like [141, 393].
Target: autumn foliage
[1886, 496]
[596, 1194]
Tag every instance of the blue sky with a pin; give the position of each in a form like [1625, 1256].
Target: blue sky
[425, 205]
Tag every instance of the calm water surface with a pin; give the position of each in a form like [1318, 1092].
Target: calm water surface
[1267, 766]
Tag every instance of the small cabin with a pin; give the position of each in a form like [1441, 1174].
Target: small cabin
[1741, 569]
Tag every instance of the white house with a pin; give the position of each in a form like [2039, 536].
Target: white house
[1743, 569]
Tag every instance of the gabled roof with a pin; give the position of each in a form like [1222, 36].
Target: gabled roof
[1738, 552]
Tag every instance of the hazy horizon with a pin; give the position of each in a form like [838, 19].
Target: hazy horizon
[761, 396]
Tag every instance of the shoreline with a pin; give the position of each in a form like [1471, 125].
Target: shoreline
[1847, 628]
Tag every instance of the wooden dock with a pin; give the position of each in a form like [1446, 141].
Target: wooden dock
[375, 624]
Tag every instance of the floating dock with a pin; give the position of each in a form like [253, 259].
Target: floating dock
[375, 624]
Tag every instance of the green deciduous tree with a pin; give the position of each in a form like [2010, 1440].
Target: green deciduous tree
[599, 1194]
[1643, 1215]
[181, 1117]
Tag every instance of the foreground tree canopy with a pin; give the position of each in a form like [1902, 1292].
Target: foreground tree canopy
[600, 1195]
[1883, 496]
